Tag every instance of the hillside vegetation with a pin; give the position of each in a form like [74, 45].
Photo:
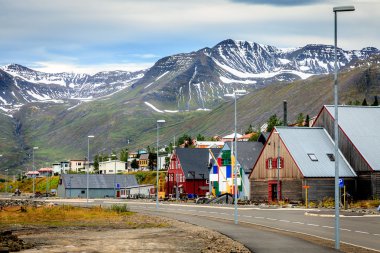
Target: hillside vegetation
[123, 120]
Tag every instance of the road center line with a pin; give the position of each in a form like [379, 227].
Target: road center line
[361, 232]
[258, 217]
[327, 227]
[248, 216]
[345, 229]
[314, 225]
[284, 220]
[270, 219]
[297, 222]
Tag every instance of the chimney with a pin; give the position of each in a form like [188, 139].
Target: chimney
[285, 113]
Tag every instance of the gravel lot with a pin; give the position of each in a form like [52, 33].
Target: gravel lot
[178, 237]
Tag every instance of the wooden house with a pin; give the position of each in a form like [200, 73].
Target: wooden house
[359, 141]
[189, 171]
[296, 158]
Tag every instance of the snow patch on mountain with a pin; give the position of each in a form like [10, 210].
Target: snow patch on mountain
[153, 107]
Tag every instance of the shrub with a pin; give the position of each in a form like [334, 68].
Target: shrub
[120, 208]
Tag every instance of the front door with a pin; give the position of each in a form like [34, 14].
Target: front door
[274, 192]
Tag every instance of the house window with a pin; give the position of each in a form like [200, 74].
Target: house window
[269, 163]
[313, 157]
[331, 157]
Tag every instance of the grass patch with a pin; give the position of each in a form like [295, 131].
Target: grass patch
[366, 204]
[118, 216]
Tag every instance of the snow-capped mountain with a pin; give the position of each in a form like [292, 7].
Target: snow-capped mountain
[20, 85]
[190, 81]
[197, 80]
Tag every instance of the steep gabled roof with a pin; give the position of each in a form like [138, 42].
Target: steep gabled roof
[361, 125]
[195, 159]
[309, 148]
[97, 181]
[248, 153]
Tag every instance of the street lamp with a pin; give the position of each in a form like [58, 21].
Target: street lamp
[278, 166]
[160, 121]
[336, 136]
[114, 177]
[88, 167]
[235, 94]
[34, 175]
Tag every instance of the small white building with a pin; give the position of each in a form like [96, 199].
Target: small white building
[109, 167]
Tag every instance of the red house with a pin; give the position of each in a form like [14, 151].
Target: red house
[189, 171]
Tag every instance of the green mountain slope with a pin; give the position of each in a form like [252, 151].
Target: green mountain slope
[61, 131]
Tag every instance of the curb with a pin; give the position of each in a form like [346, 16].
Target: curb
[341, 215]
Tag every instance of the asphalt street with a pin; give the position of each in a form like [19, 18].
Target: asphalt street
[361, 231]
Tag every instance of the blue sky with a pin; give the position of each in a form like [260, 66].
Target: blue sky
[94, 35]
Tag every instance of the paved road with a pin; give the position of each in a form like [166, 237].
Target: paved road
[361, 231]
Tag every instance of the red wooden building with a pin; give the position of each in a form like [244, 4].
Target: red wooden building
[189, 171]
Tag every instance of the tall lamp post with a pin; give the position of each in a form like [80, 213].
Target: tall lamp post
[160, 121]
[278, 167]
[336, 136]
[114, 177]
[34, 175]
[88, 167]
[235, 94]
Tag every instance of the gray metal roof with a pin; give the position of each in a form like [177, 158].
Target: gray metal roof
[195, 159]
[248, 152]
[361, 124]
[301, 141]
[97, 181]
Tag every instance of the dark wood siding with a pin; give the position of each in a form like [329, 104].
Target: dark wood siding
[259, 191]
[292, 190]
[353, 156]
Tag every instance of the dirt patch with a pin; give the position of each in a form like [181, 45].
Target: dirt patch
[176, 237]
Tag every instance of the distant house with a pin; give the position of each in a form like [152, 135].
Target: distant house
[208, 144]
[45, 172]
[306, 160]
[359, 141]
[222, 173]
[77, 165]
[143, 161]
[112, 167]
[188, 171]
[31, 174]
[100, 185]
[231, 137]
[138, 191]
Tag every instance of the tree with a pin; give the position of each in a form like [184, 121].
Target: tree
[124, 155]
[364, 102]
[300, 119]
[249, 130]
[272, 122]
[185, 139]
[307, 121]
[134, 164]
[375, 103]
[152, 160]
[169, 149]
[200, 137]
[254, 137]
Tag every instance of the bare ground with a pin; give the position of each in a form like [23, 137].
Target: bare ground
[177, 237]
